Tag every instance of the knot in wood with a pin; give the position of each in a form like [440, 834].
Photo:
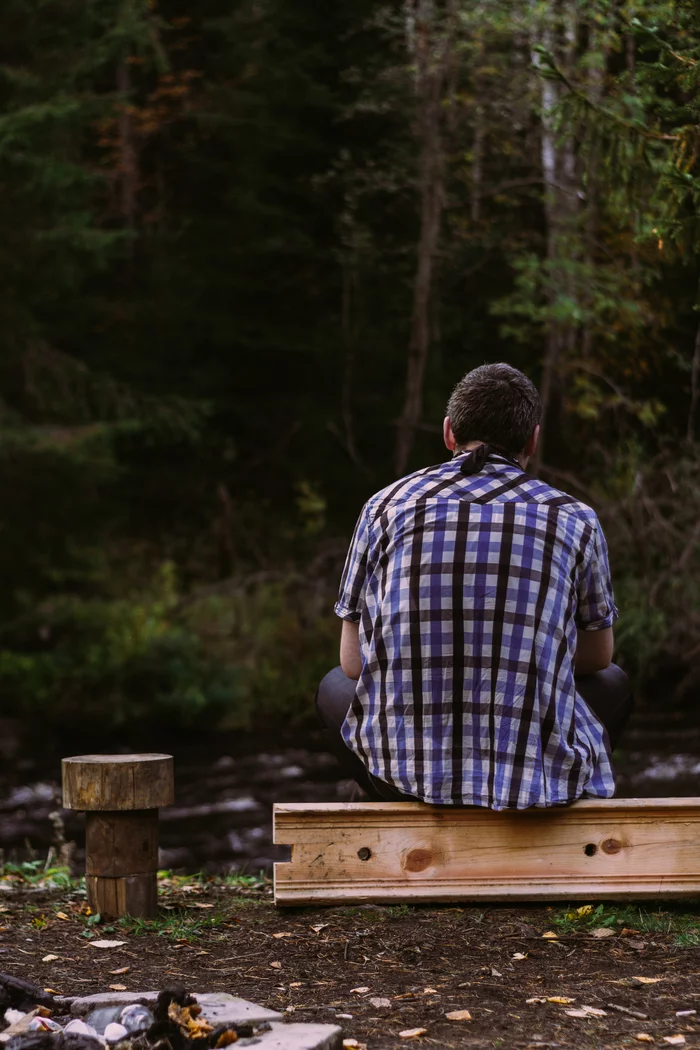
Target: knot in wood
[418, 859]
[611, 846]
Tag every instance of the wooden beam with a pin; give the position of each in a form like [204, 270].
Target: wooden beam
[389, 852]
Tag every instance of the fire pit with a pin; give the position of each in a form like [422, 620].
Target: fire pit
[32, 1019]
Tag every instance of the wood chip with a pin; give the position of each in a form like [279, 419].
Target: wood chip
[644, 1037]
[550, 935]
[50, 958]
[648, 980]
[62, 915]
[458, 1015]
[380, 1003]
[276, 965]
[120, 971]
[602, 932]
[413, 1033]
[117, 987]
[359, 991]
[626, 1010]
[675, 1040]
[106, 944]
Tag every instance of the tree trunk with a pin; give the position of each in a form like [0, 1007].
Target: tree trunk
[558, 159]
[430, 77]
[128, 166]
[694, 387]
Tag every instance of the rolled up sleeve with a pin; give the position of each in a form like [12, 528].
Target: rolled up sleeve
[353, 581]
[596, 605]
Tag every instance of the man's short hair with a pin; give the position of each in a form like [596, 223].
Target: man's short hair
[495, 404]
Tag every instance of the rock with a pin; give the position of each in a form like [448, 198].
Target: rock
[298, 1037]
[99, 1019]
[218, 1007]
[136, 1018]
[231, 805]
[114, 1033]
[13, 1016]
[80, 1028]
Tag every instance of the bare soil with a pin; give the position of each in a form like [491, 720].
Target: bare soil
[426, 961]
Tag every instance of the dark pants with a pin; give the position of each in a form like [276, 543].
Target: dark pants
[607, 693]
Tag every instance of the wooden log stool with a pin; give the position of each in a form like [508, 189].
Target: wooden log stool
[120, 795]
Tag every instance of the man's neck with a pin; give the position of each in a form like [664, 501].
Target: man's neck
[459, 449]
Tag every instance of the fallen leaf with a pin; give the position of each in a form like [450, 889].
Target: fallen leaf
[458, 1015]
[276, 965]
[117, 987]
[576, 1013]
[406, 995]
[519, 955]
[121, 970]
[50, 958]
[495, 973]
[648, 980]
[586, 909]
[296, 984]
[106, 944]
[199, 904]
[51, 991]
[359, 991]
[675, 1040]
[414, 1033]
[644, 1037]
[601, 932]
[550, 936]
[321, 926]
[637, 945]
[563, 999]
[536, 1000]
[352, 1044]
[627, 932]
[278, 936]
[380, 1002]
[62, 915]
[594, 1011]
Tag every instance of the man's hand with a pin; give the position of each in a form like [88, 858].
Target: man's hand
[350, 657]
[594, 651]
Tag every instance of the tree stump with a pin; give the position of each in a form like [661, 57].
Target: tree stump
[120, 795]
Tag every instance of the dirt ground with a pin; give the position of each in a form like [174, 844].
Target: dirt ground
[380, 971]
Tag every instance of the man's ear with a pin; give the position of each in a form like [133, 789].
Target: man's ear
[531, 445]
[448, 436]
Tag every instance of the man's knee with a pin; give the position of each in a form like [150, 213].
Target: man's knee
[334, 696]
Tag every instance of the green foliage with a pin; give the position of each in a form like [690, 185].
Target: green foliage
[210, 216]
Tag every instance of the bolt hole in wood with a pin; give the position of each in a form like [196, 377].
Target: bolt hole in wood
[364, 853]
[590, 849]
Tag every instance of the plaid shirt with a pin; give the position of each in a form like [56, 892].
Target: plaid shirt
[468, 591]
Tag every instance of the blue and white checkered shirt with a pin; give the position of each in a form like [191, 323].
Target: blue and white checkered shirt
[468, 590]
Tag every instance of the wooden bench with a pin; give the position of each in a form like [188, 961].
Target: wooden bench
[391, 852]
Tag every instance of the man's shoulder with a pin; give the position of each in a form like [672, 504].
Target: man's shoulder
[413, 486]
[540, 492]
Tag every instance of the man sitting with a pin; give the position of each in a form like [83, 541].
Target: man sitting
[477, 636]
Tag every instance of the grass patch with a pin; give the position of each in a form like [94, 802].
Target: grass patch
[681, 919]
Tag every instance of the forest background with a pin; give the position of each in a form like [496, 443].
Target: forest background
[248, 247]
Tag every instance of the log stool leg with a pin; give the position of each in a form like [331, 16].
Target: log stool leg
[120, 795]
